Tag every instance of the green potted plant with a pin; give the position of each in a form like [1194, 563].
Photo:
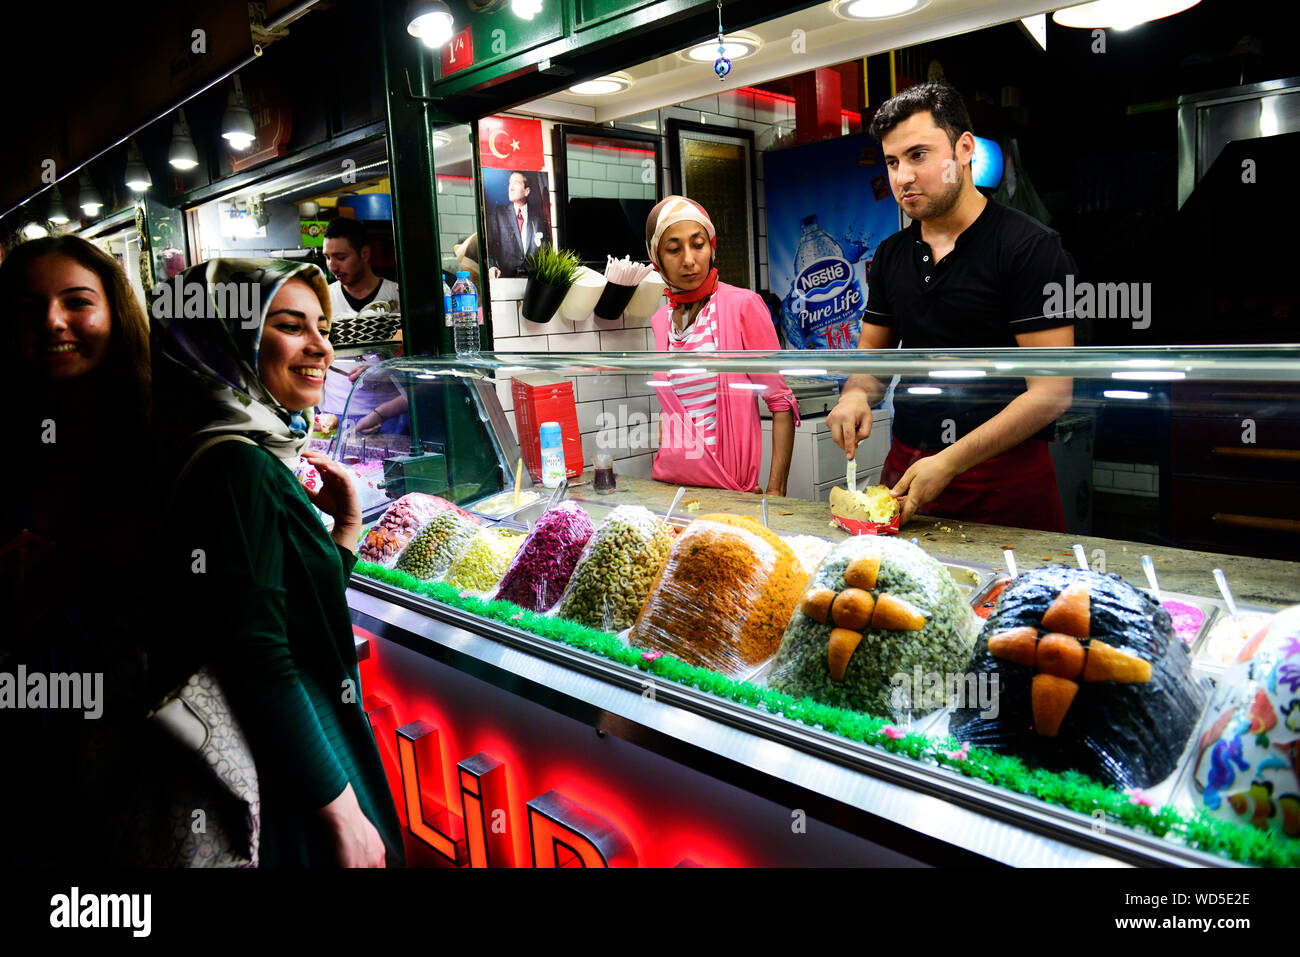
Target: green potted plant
[551, 272]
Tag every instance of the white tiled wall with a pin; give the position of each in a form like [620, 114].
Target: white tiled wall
[616, 173]
[456, 216]
[616, 414]
[1126, 478]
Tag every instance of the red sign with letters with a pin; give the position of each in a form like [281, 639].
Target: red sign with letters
[458, 54]
[504, 807]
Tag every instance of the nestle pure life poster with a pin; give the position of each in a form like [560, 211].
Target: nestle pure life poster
[828, 207]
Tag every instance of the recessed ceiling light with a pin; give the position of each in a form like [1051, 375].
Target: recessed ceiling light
[876, 9]
[603, 86]
[737, 46]
[1119, 14]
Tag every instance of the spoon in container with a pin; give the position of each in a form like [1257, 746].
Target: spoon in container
[1080, 557]
[1226, 592]
[1149, 567]
[1009, 557]
[765, 524]
[851, 475]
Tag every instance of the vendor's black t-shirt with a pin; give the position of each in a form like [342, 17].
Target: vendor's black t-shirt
[991, 287]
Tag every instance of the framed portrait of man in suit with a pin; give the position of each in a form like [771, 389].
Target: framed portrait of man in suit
[518, 218]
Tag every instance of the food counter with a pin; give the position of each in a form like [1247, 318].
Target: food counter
[526, 736]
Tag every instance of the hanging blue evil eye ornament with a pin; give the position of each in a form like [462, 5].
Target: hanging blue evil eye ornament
[721, 66]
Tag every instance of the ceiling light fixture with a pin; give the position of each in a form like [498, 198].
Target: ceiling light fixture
[90, 201]
[603, 86]
[182, 153]
[1119, 14]
[735, 46]
[527, 9]
[876, 9]
[237, 122]
[137, 174]
[35, 230]
[58, 212]
[430, 21]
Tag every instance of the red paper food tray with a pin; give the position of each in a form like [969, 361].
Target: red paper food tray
[855, 527]
[547, 402]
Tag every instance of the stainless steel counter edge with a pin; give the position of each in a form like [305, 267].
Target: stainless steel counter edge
[987, 821]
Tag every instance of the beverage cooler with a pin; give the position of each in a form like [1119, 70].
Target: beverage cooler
[562, 678]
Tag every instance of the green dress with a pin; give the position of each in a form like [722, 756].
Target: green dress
[266, 601]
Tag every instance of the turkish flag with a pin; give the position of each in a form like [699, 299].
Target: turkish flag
[508, 142]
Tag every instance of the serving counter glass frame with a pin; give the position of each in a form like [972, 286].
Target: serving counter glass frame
[889, 785]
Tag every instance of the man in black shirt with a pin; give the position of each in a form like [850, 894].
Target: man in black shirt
[967, 273]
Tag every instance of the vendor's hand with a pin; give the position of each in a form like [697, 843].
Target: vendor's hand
[494, 272]
[356, 841]
[336, 496]
[921, 484]
[358, 370]
[850, 421]
[369, 423]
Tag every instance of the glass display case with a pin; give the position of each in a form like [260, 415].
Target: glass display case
[947, 691]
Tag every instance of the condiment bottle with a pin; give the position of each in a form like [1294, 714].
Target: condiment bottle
[551, 440]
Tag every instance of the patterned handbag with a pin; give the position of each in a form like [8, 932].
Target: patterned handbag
[214, 806]
[214, 810]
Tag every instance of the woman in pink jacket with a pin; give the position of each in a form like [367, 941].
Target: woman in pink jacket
[709, 430]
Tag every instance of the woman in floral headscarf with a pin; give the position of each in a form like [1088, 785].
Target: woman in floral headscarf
[261, 583]
[710, 434]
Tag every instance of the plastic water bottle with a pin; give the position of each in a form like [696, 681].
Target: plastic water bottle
[551, 440]
[464, 315]
[815, 243]
[446, 301]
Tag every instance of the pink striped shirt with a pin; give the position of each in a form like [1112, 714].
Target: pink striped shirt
[698, 391]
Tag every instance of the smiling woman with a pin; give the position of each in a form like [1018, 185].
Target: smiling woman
[269, 616]
[76, 344]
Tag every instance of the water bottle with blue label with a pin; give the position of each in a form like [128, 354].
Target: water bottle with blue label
[464, 315]
[825, 305]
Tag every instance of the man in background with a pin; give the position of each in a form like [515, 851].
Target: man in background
[374, 406]
[355, 286]
[514, 231]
